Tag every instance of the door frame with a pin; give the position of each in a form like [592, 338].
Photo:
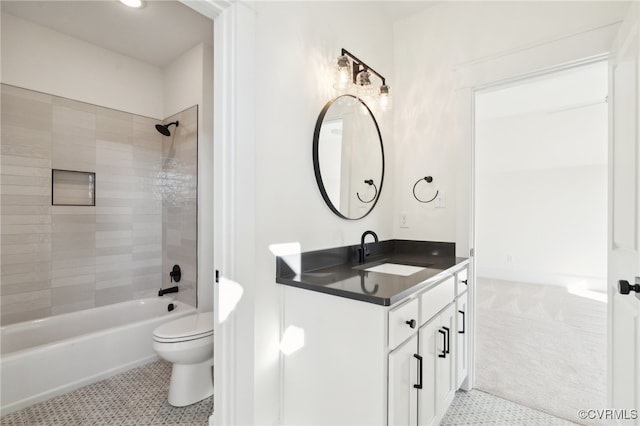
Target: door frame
[233, 105]
[563, 53]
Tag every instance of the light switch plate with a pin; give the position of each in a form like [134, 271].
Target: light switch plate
[404, 221]
[440, 200]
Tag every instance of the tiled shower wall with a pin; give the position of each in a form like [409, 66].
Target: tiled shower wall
[58, 259]
[179, 208]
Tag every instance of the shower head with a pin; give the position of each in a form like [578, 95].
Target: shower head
[164, 128]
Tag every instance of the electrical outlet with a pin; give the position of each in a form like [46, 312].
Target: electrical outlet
[404, 222]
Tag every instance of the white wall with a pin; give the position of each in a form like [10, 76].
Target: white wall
[183, 81]
[428, 48]
[37, 58]
[296, 46]
[541, 178]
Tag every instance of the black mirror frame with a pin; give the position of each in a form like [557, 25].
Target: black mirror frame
[316, 162]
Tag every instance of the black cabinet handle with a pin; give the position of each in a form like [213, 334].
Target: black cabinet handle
[419, 358]
[625, 288]
[411, 323]
[444, 344]
[448, 342]
[464, 281]
[462, 332]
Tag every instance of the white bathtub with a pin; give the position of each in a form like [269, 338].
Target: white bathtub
[44, 358]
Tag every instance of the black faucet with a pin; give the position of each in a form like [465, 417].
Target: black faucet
[362, 252]
[173, 289]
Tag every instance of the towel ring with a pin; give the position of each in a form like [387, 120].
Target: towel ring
[427, 179]
[369, 182]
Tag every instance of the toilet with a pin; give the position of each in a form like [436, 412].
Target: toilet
[187, 342]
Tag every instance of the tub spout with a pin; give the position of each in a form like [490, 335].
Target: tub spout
[168, 290]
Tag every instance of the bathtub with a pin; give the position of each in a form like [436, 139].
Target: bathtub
[44, 358]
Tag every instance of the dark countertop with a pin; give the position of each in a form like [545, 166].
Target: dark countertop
[337, 271]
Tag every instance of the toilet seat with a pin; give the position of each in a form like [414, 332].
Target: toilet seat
[187, 328]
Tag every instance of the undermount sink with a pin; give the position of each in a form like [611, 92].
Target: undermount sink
[395, 269]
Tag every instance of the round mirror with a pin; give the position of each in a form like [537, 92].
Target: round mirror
[348, 157]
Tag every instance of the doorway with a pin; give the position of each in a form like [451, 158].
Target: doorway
[541, 240]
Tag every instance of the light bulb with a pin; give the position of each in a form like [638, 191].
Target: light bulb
[366, 91]
[385, 97]
[342, 78]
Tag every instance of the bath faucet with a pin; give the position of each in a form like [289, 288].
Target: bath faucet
[362, 251]
[173, 289]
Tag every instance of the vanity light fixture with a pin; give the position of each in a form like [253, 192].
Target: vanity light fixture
[354, 73]
[136, 4]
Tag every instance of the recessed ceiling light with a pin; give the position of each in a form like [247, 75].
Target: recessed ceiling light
[133, 3]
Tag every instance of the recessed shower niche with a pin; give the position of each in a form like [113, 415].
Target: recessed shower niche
[73, 188]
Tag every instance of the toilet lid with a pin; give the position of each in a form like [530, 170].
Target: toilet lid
[186, 328]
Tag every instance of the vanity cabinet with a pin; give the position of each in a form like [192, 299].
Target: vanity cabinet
[366, 364]
[422, 371]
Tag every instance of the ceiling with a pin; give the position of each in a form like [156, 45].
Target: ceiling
[156, 34]
[400, 9]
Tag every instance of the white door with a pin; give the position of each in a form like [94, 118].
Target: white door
[624, 219]
[403, 375]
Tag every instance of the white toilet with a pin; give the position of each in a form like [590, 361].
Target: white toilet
[187, 342]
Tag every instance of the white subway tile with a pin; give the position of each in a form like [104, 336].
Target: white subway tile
[73, 307]
[73, 280]
[25, 171]
[113, 235]
[66, 270]
[24, 190]
[117, 282]
[9, 229]
[12, 160]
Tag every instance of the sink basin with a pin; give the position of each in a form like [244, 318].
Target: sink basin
[395, 269]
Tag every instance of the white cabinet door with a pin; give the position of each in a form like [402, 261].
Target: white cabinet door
[462, 337]
[404, 374]
[445, 369]
[432, 344]
[437, 348]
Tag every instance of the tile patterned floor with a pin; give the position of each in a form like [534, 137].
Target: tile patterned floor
[136, 397]
[139, 397]
[479, 408]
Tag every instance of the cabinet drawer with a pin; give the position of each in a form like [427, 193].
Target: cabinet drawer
[433, 300]
[400, 321]
[462, 279]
